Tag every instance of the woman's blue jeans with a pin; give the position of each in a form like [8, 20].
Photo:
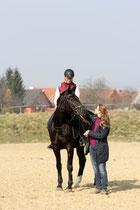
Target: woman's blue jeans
[101, 179]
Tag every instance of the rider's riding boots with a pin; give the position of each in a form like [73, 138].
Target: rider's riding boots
[50, 146]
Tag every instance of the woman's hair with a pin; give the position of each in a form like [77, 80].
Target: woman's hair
[105, 121]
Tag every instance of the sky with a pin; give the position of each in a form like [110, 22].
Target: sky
[95, 38]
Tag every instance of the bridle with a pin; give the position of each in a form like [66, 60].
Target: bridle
[75, 110]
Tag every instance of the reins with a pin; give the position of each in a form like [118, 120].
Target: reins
[85, 120]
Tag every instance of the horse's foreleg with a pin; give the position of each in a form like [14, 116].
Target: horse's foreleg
[70, 167]
[82, 161]
[59, 167]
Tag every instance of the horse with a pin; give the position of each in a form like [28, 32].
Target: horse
[69, 122]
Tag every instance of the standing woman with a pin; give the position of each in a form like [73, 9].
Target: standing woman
[99, 151]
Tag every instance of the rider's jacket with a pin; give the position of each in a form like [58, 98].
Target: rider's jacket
[63, 87]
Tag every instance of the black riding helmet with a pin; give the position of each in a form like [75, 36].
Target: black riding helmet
[69, 73]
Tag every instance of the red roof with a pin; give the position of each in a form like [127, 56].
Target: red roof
[127, 93]
[109, 92]
[50, 93]
[102, 94]
[128, 96]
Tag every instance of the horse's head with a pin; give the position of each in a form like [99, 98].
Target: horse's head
[70, 103]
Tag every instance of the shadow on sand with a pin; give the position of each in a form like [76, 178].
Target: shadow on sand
[116, 185]
[123, 185]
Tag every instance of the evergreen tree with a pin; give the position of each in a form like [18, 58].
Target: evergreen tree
[14, 82]
[17, 85]
[9, 78]
[3, 89]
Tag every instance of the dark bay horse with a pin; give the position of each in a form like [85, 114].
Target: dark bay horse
[69, 122]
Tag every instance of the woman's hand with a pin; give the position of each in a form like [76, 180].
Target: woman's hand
[86, 133]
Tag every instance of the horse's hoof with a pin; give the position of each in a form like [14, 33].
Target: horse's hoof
[75, 186]
[68, 190]
[59, 189]
[78, 180]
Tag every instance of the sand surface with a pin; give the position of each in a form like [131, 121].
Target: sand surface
[28, 179]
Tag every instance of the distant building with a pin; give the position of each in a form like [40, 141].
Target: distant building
[99, 96]
[136, 102]
[114, 98]
[50, 93]
[127, 97]
[36, 100]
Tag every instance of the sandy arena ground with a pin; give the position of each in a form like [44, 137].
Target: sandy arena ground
[28, 179]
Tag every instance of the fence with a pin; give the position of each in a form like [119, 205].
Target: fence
[35, 108]
[113, 106]
[44, 108]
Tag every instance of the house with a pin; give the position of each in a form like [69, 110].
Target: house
[99, 96]
[108, 95]
[50, 93]
[127, 97]
[136, 99]
[136, 102]
[113, 95]
[36, 100]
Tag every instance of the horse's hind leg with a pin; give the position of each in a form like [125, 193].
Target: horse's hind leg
[82, 161]
[59, 167]
[70, 167]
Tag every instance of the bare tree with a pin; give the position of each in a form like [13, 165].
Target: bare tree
[88, 84]
[94, 91]
[100, 84]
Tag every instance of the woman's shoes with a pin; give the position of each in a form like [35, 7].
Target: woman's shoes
[103, 192]
[97, 191]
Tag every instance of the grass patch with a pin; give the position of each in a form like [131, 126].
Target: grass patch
[125, 125]
[23, 128]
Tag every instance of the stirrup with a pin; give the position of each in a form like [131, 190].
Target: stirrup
[81, 143]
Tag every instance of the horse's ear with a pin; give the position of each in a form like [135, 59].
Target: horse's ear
[73, 89]
[70, 91]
